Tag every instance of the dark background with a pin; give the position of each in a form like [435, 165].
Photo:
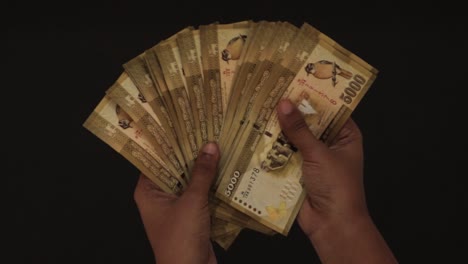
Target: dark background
[70, 196]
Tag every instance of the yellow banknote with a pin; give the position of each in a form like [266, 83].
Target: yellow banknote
[115, 127]
[264, 179]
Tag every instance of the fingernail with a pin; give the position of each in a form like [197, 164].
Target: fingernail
[210, 149]
[286, 107]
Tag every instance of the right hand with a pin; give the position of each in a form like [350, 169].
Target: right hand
[334, 215]
[333, 175]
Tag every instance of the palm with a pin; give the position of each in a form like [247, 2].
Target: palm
[165, 218]
[342, 163]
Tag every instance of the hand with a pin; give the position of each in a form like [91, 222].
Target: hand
[334, 214]
[332, 175]
[178, 228]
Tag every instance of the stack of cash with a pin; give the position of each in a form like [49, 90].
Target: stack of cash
[222, 82]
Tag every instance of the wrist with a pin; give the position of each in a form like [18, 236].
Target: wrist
[340, 225]
[351, 240]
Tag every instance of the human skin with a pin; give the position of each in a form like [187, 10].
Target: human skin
[334, 214]
[178, 228]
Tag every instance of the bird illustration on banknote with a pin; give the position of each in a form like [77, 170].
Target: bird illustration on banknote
[324, 69]
[234, 48]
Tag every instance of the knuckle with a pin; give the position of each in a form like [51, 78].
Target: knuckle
[139, 196]
[202, 168]
[207, 161]
[136, 196]
[299, 125]
[137, 193]
[358, 133]
[354, 129]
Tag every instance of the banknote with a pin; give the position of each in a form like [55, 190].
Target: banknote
[219, 67]
[158, 78]
[127, 96]
[222, 82]
[169, 56]
[261, 34]
[223, 232]
[196, 39]
[223, 211]
[231, 42]
[264, 85]
[110, 123]
[226, 240]
[326, 82]
[221, 227]
[126, 91]
[272, 54]
[191, 68]
[140, 74]
[113, 126]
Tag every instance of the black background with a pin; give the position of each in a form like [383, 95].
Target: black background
[71, 196]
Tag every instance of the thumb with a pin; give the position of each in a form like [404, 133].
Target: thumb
[296, 130]
[204, 171]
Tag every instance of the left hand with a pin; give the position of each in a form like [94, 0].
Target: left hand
[178, 228]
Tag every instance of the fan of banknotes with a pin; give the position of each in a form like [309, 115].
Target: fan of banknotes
[222, 82]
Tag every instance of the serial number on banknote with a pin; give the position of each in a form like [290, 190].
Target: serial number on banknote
[234, 179]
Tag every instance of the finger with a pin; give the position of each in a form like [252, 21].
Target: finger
[349, 136]
[296, 130]
[204, 171]
[152, 204]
